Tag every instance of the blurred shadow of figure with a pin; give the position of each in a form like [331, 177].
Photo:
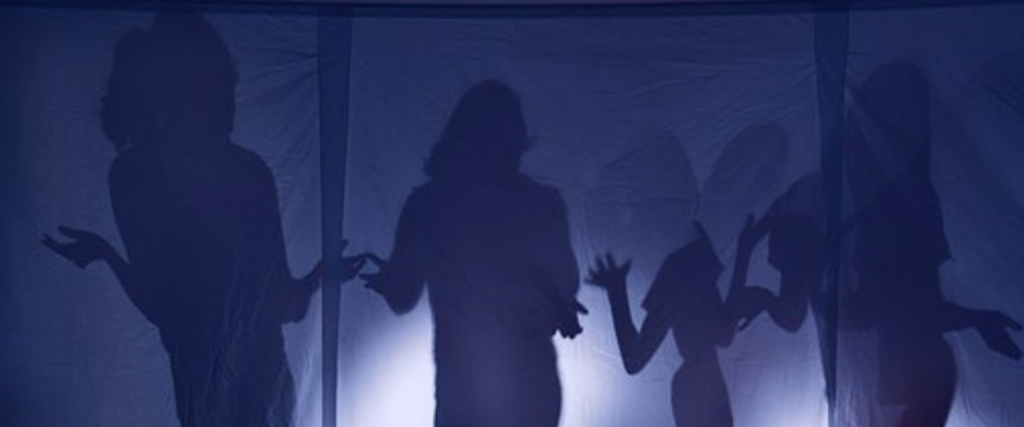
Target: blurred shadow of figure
[899, 247]
[683, 298]
[199, 219]
[494, 247]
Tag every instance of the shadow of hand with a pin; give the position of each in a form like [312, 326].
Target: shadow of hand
[609, 275]
[378, 262]
[993, 327]
[353, 265]
[749, 303]
[570, 328]
[84, 247]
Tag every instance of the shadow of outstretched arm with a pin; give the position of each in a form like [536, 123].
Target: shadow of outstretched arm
[86, 247]
[993, 326]
[636, 347]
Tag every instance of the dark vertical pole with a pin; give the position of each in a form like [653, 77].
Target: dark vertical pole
[831, 43]
[334, 48]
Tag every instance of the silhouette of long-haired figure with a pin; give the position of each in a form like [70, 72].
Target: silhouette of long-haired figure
[493, 246]
[683, 299]
[900, 245]
[199, 219]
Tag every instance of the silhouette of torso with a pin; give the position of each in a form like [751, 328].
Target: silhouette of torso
[202, 231]
[497, 257]
[685, 294]
[900, 247]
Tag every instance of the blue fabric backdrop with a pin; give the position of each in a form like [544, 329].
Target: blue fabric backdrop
[652, 124]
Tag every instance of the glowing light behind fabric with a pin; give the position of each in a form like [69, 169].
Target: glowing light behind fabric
[626, 116]
[639, 121]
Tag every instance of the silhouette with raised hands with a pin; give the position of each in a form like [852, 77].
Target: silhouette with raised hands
[749, 166]
[683, 299]
[493, 246]
[793, 228]
[205, 256]
[899, 246]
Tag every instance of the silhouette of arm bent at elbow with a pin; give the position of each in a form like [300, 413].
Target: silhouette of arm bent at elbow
[402, 279]
[564, 273]
[635, 347]
[287, 296]
[992, 326]
[87, 247]
[743, 303]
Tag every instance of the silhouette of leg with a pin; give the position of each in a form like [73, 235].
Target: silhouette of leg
[934, 388]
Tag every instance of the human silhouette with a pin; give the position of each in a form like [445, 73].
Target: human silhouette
[198, 216]
[899, 246]
[683, 299]
[493, 246]
[793, 228]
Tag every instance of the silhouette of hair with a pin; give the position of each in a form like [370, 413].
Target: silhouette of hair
[172, 81]
[701, 263]
[899, 249]
[493, 245]
[897, 94]
[897, 102]
[486, 134]
[205, 257]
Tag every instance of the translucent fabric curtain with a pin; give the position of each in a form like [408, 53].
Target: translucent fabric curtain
[76, 349]
[818, 205]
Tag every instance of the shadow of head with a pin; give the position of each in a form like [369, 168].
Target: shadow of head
[171, 82]
[486, 134]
